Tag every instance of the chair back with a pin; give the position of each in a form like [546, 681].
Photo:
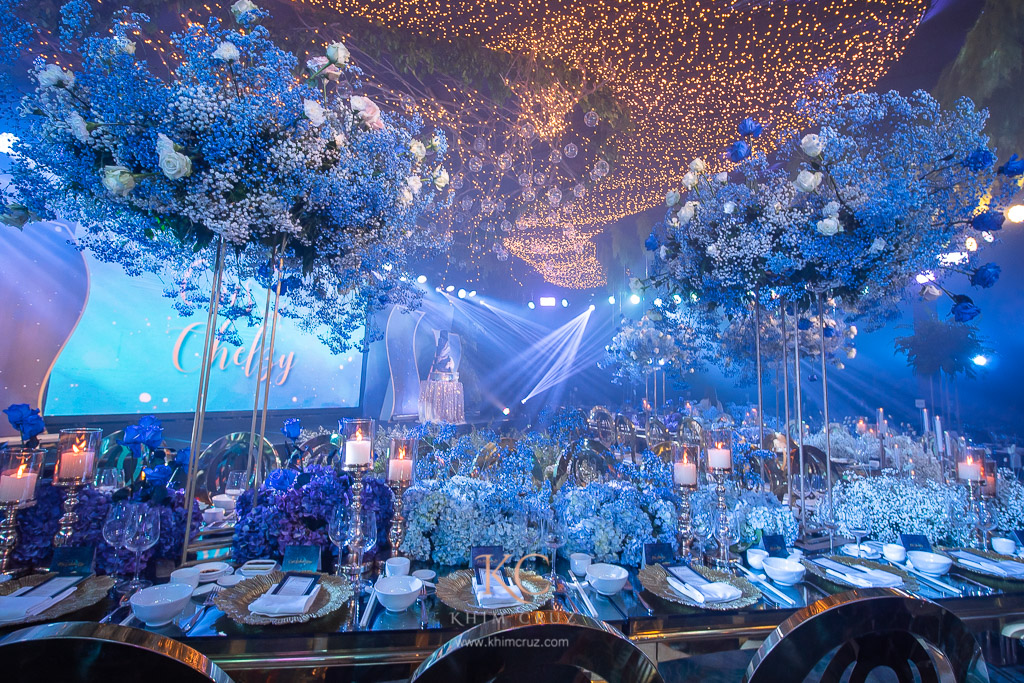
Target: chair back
[87, 652]
[848, 635]
[540, 647]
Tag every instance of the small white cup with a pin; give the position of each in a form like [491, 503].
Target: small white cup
[188, 576]
[397, 566]
[578, 563]
[755, 557]
[1004, 546]
[211, 515]
[894, 552]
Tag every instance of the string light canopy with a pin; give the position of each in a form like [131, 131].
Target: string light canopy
[592, 110]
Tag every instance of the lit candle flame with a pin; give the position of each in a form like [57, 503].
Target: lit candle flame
[970, 460]
[358, 435]
[21, 471]
[401, 453]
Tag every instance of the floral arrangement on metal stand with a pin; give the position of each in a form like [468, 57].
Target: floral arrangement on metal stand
[294, 508]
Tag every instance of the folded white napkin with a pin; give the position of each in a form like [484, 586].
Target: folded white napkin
[18, 608]
[882, 579]
[998, 567]
[499, 595]
[282, 605]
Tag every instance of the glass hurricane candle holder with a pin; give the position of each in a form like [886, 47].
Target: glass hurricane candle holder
[357, 459]
[684, 477]
[990, 476]
[402, 456]
[718, 453]
[76, 466]
[19, 474]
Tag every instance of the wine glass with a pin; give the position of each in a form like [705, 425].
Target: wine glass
[553, 535]
[109, 479]
[236, 484]
[113, 532]
[858, 523]
[987, 520]
[141, 532]
[703, 529]
[337, 529]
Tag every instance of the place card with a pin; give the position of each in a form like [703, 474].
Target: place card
[915, 542]
[775, 545]
[73, 561]
[301, 558]
[685, 574]
[657, 553]
[296, 584]
[484, 557]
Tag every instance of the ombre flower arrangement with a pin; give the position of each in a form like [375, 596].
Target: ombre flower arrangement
[295, 507]
[239, 143]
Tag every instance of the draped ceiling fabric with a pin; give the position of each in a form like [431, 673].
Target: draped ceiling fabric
[671, 81]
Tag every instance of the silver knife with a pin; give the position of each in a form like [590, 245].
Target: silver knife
[770, 588]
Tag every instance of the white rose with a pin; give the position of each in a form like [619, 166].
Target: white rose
[314, 64]
[313, 111]
[663, 252]
[414, 183]
[441, 178]
[118, 180]
[368, 111]
[878, 245]
[808, 181]
[829, 226]
[671, 198]
[811, 145]
[226, 52]
[78, 126]
[340, 140]
[688, 211]
[851, 331]
[175, 165]
[164, 145]
[338, 53]
[241, 7]
[405, 197]
[851, 353]
[698, 165]
[831, 209]
[689, 180]
[52, 76]
[418, 149]
[729, 207]
[722, 178]
[124, 45]
[712, 251]
[930, 293]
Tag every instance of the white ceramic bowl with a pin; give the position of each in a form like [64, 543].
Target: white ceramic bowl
[186, 575]
[159, 605]
[397, 593]
[214, 514]
[755, 556]
[783, 571]
[607, 579]
[894, 552]
[1004, 546]
[929, 563]
[425, 574]
[223, 500]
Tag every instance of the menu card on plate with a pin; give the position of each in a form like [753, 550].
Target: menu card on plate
[75, 561]
[488, 557]
[301, 558]
[775, 545]
[53, 587]
[684, 573]
[296, 584]
[915, 542]
[657, 553]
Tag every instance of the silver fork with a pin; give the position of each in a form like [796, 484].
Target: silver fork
[207, 604]
[422, 599]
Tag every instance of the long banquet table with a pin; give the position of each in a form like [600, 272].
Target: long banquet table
[391, 646]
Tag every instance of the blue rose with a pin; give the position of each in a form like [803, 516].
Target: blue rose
[989, 221]
[750, 127]
[738, 151]
[803, 324]
[136, 436]
[1013, 167]
[964, 310]
[182, 457]
[979, 159]
[986, 276]
[282, 479]
[829, 332]
[651, 243]
[158, 476]
[292, 428]
[26, 420]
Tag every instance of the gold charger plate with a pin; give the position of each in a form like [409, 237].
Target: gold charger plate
[986, 554]
[653, 578]
[456, 591]
[234, 601]
[89, 592]
[909, 582]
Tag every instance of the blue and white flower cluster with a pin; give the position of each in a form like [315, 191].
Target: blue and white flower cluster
[239, 144]
[883, 188]
[664, 338]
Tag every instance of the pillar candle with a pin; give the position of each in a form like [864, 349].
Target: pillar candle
[76, 464]
[969, 470]
[720, 458]
[17, 485]
[358, 452]
[684, 473]
[399, 469]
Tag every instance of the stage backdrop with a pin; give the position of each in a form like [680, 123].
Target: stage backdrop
[82, 338]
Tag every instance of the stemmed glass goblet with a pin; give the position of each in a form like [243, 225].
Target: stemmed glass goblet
[553, 535]
[858, 523]
[141, 532]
